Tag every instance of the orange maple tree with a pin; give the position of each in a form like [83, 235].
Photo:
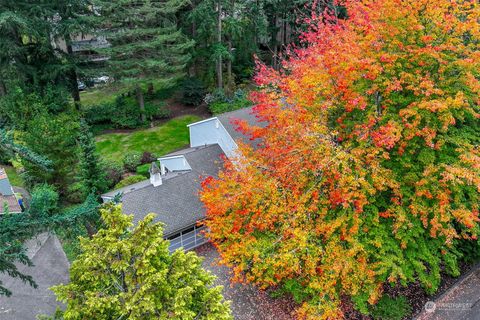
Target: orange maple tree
[368, 169]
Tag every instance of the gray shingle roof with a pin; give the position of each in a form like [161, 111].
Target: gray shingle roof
[176, 201]
[242, 114]
[50, 267]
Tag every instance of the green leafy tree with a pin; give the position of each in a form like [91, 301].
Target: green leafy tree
[126, 273]
[146, 42]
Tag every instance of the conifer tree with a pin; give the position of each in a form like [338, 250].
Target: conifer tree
[91, 173]
[145, 42]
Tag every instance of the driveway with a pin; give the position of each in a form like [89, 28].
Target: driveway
[247, 302]
[50, 268]
[461, 302]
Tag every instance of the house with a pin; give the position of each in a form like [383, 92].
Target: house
[172, 190]
[49, 267]
[8, 199]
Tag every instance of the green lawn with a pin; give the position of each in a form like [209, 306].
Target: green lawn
[13, 176]
[160, 140]
[108, 93]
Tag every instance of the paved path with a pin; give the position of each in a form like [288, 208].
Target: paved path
[461, 302]
[50, 268]
[247, 302]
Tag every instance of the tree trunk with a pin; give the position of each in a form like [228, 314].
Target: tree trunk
[192, 71]
[90, 229]
[275, 43]
[229, 67]
[141, 102]
[72, 75]
[3, 88]
[150, 88]
[219, 41]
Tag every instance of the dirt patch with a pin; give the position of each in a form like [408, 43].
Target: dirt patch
[177, 109]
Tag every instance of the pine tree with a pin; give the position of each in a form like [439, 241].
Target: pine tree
[28, 56]
[91, 174]
[145, 42]
[126, 273]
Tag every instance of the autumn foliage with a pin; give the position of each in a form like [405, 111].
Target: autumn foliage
[368, 170]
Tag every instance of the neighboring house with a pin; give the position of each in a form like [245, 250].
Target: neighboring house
[85, 46]
[7, 195]
[50, 267]
[172, 191]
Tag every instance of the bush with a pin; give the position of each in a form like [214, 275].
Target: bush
[44, 201]
[129, 180]
[388, 308]
[113, 172]
[123, 113]
[156, 110]
[144, 170]
[148, 157]
[193, 91]
[131, 161]
[76, 192]
[219, 103]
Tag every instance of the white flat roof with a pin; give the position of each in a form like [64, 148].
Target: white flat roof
[202, 121]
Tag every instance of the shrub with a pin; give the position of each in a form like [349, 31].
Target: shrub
[129, 180]
[124, 113]
[156, 110]
[388, 308]
[148, 157]
[131, 161]
[144, 170]
[76, 192]
[193, 91]
[44, 201]
[219, 103]
[113, 172]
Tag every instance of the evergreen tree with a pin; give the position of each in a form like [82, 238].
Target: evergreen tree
[126, 273]
[43, 215]
[91, 173]
[28, 56]
[146, 42]
[54, 137]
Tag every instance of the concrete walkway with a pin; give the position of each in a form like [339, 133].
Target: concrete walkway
[461, 302]
[50, 268]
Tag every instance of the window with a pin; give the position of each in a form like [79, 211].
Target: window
[187, 239]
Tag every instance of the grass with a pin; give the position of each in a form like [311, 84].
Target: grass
[108, 93]
[160, 140]
[13, 176]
